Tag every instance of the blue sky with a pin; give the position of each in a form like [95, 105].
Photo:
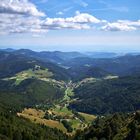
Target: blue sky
[104, 9]
[70, 25]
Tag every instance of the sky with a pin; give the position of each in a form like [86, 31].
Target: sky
[70, 25]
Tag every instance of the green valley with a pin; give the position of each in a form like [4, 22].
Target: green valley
[58, 115]
[42, 99]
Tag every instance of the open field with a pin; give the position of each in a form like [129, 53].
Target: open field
[34, 112]
[36, 116]
[75, 123]
[88, 118]
[31, 73]
[61, 111]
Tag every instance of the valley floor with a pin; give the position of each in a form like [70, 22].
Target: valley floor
[59, 115]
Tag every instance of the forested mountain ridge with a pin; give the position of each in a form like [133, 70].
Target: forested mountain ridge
[68, 95]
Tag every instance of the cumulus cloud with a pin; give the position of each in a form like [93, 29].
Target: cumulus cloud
[130, 23]
[22, 7]
[83, 18]
[122, 25]
[19, 24]
[117, 27]
[80, 21]
[21, 16]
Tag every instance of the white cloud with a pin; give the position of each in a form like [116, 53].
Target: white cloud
[16, 23]
[19, 24]
[130, 23]
[117, 27]
[83, 18]
[122, 25]
[21, 16]
[22, 7]
[54, 24]
[80, 21]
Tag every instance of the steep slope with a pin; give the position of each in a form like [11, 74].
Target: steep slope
[29, 92]
[81, 72]
[40, 91]
[15, 128]
[108, 96]
[114, 127]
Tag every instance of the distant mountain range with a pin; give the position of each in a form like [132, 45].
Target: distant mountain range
[68, 55]
[69, 64]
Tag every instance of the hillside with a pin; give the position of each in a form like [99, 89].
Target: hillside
[122, 66]
[29, 92]
[69, 70]
[108, 96]
[113, 127]
[15, 128]
[68, 95]
[79, 73]
[11, 63]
